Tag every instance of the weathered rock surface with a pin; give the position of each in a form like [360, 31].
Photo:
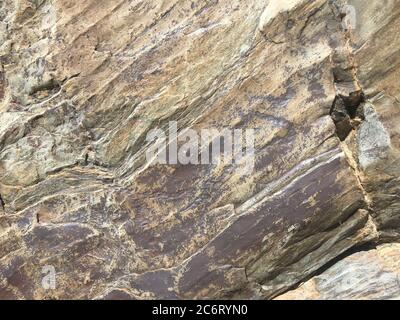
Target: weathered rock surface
[373, 274]
[83, 82]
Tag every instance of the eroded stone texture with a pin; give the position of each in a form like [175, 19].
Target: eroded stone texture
[372, 274]
[81, 85]
[377, 139]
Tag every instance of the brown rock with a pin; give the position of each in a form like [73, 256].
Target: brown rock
[83, 83]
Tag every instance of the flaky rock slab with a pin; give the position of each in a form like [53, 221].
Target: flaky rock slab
[364, 275]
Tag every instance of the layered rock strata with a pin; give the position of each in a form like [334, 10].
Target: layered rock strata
[83, 82]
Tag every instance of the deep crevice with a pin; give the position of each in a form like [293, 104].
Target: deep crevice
[2, 204]
[347, 113]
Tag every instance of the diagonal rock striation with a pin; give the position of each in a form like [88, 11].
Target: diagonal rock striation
[82, 84]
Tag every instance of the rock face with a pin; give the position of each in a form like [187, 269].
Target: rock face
[82, 83]
[373, 274]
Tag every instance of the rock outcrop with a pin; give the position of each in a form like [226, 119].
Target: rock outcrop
[372, 274]
[82, 83]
